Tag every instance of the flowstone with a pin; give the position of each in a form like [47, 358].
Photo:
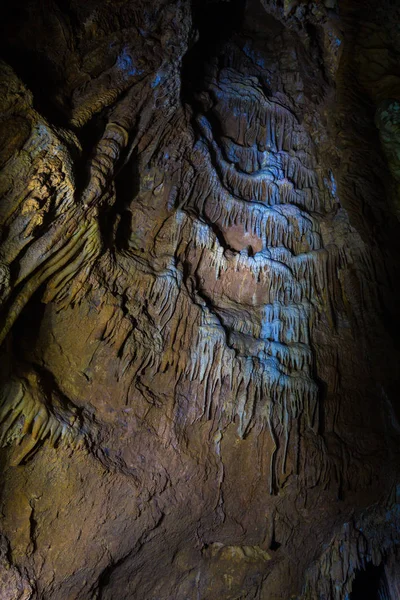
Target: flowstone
[199, 319]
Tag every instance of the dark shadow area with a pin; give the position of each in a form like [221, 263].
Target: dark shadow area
[27, 34]
[15, 353]
[215, 23]
[31, 65]
[370, 584]
[116, 225]
[27, 327]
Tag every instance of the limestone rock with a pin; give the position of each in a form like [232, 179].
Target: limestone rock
[198, 303]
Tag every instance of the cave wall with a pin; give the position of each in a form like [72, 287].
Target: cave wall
[199, 308]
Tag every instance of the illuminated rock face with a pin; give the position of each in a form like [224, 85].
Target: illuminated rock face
[258, 259]
[199, 398]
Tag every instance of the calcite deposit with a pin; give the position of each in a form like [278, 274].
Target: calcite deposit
[199, 306]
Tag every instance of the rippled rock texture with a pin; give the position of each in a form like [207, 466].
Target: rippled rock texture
[200, 326]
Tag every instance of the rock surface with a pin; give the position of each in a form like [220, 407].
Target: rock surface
[200, 323]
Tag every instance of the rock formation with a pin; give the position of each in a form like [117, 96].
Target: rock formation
[199, 313]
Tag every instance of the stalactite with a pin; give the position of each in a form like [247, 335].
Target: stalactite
[208, 314]
[368, 539]
[28, 421]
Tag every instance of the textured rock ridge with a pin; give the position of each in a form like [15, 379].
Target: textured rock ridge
[199, 314]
